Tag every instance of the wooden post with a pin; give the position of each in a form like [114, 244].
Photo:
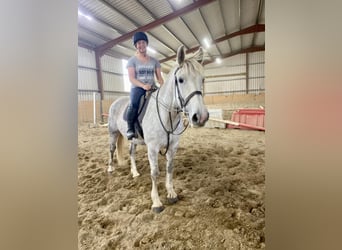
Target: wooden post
[247, 74]
[98, 56]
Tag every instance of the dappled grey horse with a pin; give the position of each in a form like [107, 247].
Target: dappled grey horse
[162, 123]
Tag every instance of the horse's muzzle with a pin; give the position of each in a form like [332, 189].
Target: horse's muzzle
[200, 119]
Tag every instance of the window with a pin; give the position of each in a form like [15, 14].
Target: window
[127, 84]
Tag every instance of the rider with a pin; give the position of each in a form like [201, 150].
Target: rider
[141, 71]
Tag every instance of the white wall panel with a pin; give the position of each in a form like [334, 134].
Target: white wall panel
[235, 60]
[112, 75]
[111, 64]
[88, 96]
[236, 85]
[114, 96]
[225, 70]
[113, 82]
[256, 70]
[87, 79]
[223, 83]
[221, 80]
[86, 58]
[257, 57]
[257, 85]
[225, 87]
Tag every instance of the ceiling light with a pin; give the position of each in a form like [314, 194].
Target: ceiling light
[218, 60]
[151, 50]
[206, 43]
[88, 17]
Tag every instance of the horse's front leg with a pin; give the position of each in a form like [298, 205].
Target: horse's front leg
[171, 194]
[157, 206]
[132, 149]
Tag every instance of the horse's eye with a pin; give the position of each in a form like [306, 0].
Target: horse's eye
[181, 80]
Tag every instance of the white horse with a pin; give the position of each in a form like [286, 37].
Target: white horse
[162, 124]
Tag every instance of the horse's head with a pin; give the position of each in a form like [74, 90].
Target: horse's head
[189, 78]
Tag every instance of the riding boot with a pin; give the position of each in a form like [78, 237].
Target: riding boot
[131, 117]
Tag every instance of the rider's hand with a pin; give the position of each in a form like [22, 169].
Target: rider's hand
[147, 87]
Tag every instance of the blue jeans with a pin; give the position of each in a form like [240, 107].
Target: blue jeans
[135, 95]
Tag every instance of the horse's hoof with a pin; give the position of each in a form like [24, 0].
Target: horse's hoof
[172, 200]
[157, 209]
[136, 175]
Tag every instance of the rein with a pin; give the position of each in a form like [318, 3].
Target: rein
[183, 103]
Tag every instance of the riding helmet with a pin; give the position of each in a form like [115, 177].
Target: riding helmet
[139, 36]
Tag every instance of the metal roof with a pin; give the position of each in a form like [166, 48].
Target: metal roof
[229, 26]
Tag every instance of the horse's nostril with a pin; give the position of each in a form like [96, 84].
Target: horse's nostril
[195, 118]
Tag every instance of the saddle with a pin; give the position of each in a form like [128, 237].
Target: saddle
[144, 100]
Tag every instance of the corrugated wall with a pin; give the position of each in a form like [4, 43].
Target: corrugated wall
[86, 58]
[257, 72]
[112, 75]
[87, 79]
[232, 78]
[227, 80]
[113, 84]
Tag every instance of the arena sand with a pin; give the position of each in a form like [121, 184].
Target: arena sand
[219, 175]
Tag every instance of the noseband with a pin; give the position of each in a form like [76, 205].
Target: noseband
[184, 102]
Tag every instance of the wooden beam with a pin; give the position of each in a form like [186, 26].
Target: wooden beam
[248, 30]
[101, 49]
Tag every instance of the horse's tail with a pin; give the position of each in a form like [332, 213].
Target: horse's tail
[119, 149]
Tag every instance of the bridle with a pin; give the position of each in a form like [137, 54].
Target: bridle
[183, 103]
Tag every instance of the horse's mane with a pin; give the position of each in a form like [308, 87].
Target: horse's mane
[192, 64]
[189, 66]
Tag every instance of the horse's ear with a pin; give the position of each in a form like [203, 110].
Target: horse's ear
[199, 55]
[180, 55]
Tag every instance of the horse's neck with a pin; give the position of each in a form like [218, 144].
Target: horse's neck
[166, 109]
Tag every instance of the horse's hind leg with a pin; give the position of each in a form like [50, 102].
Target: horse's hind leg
[112, 144]
[171, 194]
[157, 206]
[132, 149]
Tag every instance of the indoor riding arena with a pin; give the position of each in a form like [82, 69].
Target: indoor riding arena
[218, 169]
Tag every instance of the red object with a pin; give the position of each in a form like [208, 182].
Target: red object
[248, 119]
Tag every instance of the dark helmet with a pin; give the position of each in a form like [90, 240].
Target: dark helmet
[139, 36]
